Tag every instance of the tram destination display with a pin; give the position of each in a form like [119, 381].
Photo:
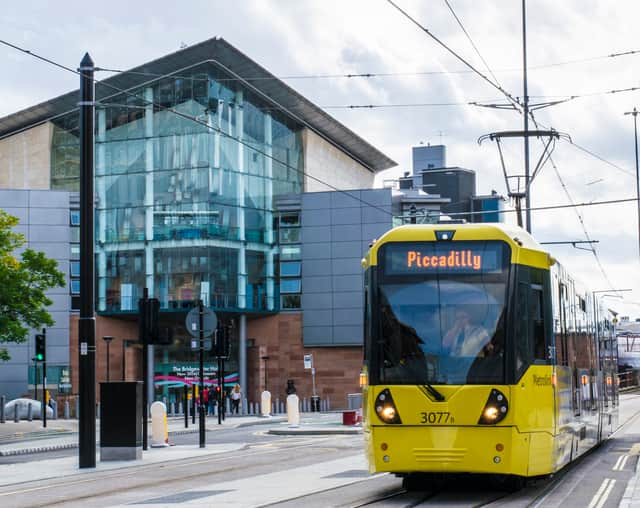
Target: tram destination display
[444, 257]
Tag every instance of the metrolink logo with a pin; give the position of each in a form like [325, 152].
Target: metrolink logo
[455, 259]
[542, 380]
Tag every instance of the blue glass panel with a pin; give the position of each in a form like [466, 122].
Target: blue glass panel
[290, 286]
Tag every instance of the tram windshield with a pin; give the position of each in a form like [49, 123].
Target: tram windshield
[444, 324]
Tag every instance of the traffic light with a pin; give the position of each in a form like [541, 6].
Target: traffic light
[223, 341]
[41, 347]
[149, 330]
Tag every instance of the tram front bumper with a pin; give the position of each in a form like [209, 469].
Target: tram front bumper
[405, 449]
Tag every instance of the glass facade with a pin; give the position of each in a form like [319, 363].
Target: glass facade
[184, 197]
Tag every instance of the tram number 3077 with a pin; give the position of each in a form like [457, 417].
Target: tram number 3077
[436, 417]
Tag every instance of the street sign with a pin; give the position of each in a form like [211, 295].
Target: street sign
[209, 322]
[308, 361]
[195, 344]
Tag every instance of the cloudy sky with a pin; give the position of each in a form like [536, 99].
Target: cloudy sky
[585, 49]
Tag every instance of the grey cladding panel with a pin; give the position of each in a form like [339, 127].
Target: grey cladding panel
[317, 234]
[346, 249]
[316, 200]
[314, 301]
[49, 233]
[347, 283]
[316, 318]
[52, 250]
[317, 335]
[350, 300]
[376, 197]
[345, 232]
[346, 266]
[321, 284]
[14, 198]
[347, 335]
[316, 268]
[377, 215]
[345, 199]
[48, 199]
[312, 218]
[345, 216]
[56, 216]
[316, 251]
[22, 214]
[60, 355]
[347, 317]
[375, 230]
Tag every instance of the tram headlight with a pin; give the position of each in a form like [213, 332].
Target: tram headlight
[386, 408]
[495, 409]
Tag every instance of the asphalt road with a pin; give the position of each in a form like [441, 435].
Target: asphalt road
[321, 471]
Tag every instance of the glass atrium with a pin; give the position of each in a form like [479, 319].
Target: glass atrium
[186, 171]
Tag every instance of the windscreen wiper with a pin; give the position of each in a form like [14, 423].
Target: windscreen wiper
[426, 387]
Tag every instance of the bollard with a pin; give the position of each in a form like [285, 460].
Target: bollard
[30, 412]
[293, 410]
[2, 399]
[16, 418]
[67, 410]
[159, 431]
[265, 403]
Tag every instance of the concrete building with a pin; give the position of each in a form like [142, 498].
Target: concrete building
[186, 207]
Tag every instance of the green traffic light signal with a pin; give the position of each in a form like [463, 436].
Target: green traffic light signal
[40, 347]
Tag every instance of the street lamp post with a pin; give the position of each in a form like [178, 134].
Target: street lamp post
[107, 339]
[635, 132]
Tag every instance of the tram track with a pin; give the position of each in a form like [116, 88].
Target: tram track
[175, 476]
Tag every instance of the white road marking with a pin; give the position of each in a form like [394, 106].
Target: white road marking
[602, 494]
[620, 463]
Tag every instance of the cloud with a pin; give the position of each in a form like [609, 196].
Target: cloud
[568, 44]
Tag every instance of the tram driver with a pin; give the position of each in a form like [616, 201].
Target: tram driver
[466, 337]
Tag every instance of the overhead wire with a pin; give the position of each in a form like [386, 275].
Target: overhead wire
[222, 133]
[549, 158]
[513, 100]
[204, 124]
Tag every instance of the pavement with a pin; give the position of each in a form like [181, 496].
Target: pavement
[24, 437]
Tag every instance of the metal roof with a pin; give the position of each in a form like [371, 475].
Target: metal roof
[218, 52]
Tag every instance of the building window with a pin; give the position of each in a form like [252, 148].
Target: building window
[290, 235]
[74, 251]
[290, 269]
[75, 268]
[290, 302]
[289, 252]
[75, 217]
[290, 266]
[290, 285]
[75, 286]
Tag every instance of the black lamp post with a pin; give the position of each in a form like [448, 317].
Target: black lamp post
[107, 339]
[266, 359]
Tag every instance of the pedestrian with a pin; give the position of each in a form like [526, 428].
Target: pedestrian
[236, 395]
[211, 394]
[205, 401]
[291, 389]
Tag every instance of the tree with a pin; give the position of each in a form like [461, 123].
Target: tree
[23, 283]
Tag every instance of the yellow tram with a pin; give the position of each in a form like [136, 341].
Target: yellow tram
[482, 355]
